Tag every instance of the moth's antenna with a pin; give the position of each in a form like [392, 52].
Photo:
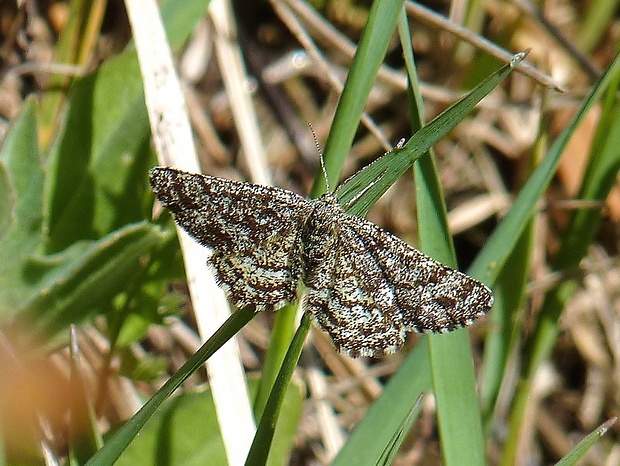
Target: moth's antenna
[318, 148]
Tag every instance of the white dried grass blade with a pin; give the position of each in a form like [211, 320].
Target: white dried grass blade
[172, 137]
[235, 78]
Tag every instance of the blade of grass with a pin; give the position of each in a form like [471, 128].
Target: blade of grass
[504, 324]
[375, 178]
[458, 410]
[259, 451]
[391, 450]
[451, 361]
[452, 368]
[582, 447]
[366, 444]
[112, 449]
[493, 256]
[593, 26]
[280, 340]
[369, 56]
[599, 178]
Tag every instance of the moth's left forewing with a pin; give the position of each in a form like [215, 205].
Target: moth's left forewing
[226, 215]
[254, 232]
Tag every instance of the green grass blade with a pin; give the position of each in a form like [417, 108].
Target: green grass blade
[505, 323]
[280, 340]
[112, 449]
[185, 431]
[454, 382]
[458, 411]
[365, 445]
[368, 58]
[259, 451]
[391, 450]
[582, 447]
[451, 362]
[502, 324]
[375, 179]
[490, 261]
[367, 442]
[599, 178]
[594, 24]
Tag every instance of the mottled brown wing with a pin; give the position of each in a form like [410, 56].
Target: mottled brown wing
[379, 288]
[253, 230]
[431, 297]
[357, 314]
[348, 293]
[267, 277]
[225, 215]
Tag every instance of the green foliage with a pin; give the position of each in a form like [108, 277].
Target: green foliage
[76, 241]
[178, 435]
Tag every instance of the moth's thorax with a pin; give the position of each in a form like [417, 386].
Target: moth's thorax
[319, 238]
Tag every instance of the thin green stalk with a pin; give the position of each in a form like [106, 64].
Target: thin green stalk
[259, 451]
[281, 336]
[368, 58]
[113, 448]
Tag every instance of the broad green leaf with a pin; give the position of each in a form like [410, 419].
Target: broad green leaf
[21, 188]
[98, 164]
[71, 286]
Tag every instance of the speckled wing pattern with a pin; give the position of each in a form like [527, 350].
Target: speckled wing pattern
[254, 231]
[366, 287]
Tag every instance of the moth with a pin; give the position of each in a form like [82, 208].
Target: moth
[365, 287]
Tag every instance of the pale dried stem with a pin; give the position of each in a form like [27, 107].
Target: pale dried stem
[172, 137]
